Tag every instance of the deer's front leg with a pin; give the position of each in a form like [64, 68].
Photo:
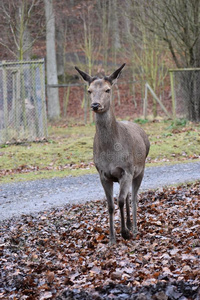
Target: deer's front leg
[108, 188]
[135, 187]
[125, 183]
[128, 217]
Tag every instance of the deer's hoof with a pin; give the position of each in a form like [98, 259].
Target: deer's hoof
[112, 241]
[129, 225]
[126, 234]
[135, 231]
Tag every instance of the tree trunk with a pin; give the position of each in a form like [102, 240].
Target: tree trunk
[115, 23]
[178, 24]
[52, 79]
[190, 94]
[193, 103]
[60, 52]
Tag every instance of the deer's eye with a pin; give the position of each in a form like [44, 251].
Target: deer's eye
[108, 91]
[89, 92]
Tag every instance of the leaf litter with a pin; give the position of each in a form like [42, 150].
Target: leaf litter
[65, 253]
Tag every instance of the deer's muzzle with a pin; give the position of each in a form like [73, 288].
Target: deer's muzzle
[95, 106]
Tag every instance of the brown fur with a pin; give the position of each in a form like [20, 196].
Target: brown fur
[120, 150]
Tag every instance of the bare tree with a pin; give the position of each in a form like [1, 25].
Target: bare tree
[104, 9]
[63, 13]
[115, 25]
[22, 23]
[52, 79]
[177, 23]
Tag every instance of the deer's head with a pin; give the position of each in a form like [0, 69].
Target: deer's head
[100, 89]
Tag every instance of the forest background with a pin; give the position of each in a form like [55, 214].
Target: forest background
[68, 248]
[98, 36]
[150, 36]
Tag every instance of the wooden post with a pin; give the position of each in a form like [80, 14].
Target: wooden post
[66, 100]
[35, 102]
[42, 83]
[17, 108]
[157, 99]
[5, 100]
[14, 99]
[173, 95]
[85, 104]
[145, 102]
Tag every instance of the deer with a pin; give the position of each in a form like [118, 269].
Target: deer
[119, 152]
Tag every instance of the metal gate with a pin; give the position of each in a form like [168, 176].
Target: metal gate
[22, 101]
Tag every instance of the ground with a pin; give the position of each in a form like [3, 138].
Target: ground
[34, 196]
[64, 253]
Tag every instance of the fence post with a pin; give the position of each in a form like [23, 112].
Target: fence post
[145, 102]
[173, 95]
[66, 100]
[85, 104]
[43, 98]
[33, 75]
[23, 96]
[5, 100]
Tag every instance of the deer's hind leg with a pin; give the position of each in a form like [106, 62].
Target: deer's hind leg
[125, 183]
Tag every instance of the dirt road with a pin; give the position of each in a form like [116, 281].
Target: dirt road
[34, 196]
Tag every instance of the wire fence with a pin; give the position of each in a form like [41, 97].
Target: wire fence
[22, 101]
[127, 98]
[179, 97]
[23, 106]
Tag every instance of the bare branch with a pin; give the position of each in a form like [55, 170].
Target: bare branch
[6, 46]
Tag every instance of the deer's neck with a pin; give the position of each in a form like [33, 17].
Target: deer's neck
[106, 126]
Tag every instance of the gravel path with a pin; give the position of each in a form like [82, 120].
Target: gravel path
[34, 196]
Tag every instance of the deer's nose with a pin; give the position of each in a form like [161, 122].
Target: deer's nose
[95, 106]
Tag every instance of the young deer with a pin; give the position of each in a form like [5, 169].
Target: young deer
[119, 149]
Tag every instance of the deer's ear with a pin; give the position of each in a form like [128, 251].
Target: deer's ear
[115, 75]
[84, 75]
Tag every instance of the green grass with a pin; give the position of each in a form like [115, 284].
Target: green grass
[68, 150]
[173, 143]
